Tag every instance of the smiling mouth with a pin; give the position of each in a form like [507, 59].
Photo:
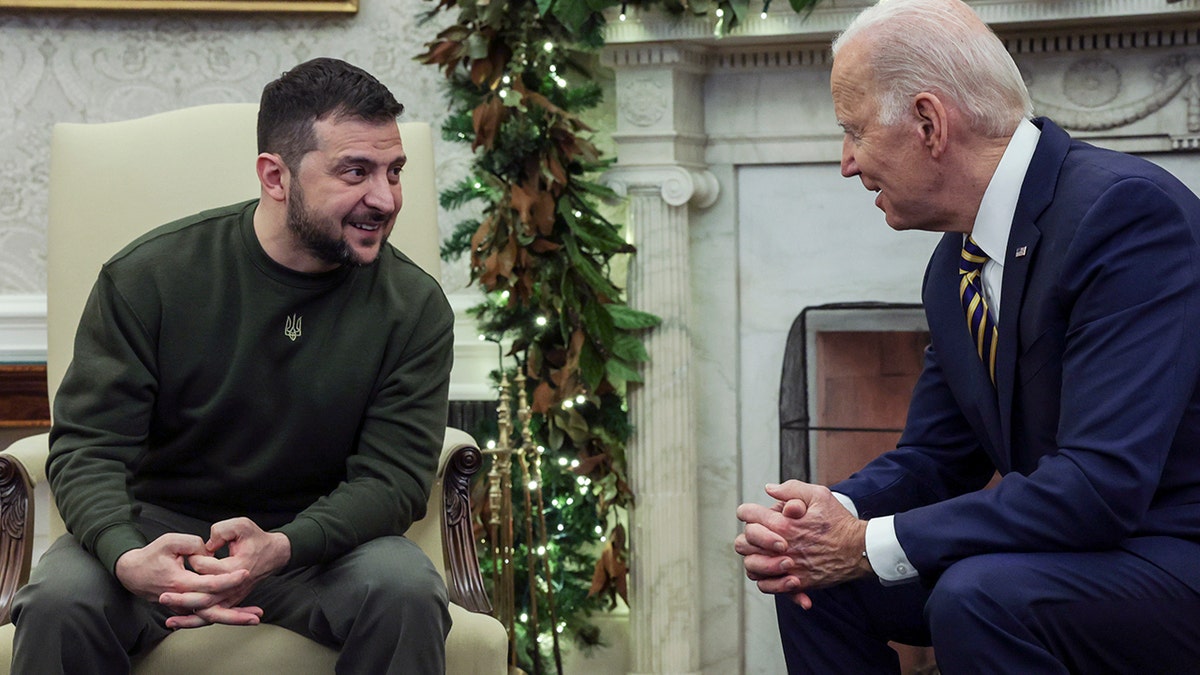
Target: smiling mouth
[366, 227]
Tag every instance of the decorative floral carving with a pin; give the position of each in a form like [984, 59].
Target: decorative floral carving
[643, 103]
[1092, 82]
[1169, 77]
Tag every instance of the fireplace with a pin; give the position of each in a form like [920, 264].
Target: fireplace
[848, 374]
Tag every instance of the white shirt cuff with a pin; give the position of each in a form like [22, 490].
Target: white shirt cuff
[885, 554]
[846, 502]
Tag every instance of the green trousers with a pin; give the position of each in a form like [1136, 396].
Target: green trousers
[383, 605]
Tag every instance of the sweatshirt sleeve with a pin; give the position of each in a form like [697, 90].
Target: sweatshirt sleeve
[101, 419]
[390, 474]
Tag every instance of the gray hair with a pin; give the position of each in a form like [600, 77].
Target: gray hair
[941, 47]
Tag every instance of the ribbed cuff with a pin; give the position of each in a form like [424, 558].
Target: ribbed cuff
[308, 542]
[115, 542]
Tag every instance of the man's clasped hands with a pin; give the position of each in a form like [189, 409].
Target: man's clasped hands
[182, 572]
[806, 541]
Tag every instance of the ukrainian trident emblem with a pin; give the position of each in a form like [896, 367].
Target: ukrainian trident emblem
[291, 327]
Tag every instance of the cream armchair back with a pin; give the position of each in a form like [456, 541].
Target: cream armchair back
[111, 182]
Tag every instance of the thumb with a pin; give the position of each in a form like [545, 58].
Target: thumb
[795, 508]
[222, 533]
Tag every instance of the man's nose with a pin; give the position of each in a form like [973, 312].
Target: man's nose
[382, 195]
[849, 165]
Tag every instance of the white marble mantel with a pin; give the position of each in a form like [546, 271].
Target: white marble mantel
[728, 150]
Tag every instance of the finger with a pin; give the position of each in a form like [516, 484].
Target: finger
[186, 603]
[753, 513]
[802, 599]
[235, 616]
[185, 621]
[742, 546]
[191, 582]
[787, 585]
[759, 567]
[793, 489]
[763, 538]
[181, 544]
[207, 564]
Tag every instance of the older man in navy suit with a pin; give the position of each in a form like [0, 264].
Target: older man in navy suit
[1064, 305]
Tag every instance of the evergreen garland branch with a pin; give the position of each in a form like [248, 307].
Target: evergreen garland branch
[518, 77]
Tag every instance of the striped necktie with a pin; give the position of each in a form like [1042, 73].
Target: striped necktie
[979, 319]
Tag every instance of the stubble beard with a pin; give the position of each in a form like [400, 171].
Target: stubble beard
[316, 239]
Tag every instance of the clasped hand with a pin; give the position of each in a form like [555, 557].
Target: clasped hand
[806, 540]
[182, 572]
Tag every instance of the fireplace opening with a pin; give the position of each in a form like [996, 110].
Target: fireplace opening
[848, 375]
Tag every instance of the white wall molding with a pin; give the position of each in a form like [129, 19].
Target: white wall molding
[474, 359]
[22, 328]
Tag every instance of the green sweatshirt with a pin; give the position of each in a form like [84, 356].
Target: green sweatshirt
[209, 380]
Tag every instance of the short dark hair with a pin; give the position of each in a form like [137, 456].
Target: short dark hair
[313, 91]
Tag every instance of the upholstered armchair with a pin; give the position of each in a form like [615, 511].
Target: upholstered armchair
[108, 184]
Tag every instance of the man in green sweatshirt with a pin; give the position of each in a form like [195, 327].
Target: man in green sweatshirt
[254, 413]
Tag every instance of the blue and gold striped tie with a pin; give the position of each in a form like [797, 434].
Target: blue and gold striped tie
[979, 319]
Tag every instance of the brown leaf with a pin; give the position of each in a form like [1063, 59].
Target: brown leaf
[541, 245]
[486, 119]
[543, 397]
[612, 573]
[534, 98]
[555, 169]
[535, 208]
[443, 52]
[496, 266]
[481, 71]
[588, 464]
[483, 234]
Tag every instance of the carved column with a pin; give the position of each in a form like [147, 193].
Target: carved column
[660, 148]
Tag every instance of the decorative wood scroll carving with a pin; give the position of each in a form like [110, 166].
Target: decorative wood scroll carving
[458, 536]
[16, 532]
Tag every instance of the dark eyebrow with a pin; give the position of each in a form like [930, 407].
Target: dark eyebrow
[358, 160]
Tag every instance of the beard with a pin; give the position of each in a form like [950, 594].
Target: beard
[315, 236]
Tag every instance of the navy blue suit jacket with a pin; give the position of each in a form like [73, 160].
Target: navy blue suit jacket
[1094, 421]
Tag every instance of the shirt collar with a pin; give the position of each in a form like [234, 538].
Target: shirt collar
[999, 204]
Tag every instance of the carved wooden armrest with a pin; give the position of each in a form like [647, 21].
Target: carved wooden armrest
[16, 531]
[462, 564]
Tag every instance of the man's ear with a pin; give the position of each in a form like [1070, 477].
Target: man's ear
[932, 122]
[273, 175]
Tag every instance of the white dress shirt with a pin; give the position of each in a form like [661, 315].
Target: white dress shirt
[990, 232]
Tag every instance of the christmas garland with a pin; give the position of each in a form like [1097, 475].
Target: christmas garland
[520, 73]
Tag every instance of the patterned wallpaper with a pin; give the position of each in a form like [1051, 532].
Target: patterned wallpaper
[100, 67]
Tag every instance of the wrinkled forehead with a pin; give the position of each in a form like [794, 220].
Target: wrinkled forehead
[851, 82]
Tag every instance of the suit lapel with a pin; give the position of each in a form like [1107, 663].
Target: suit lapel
[1037, 191]
[1022, 248]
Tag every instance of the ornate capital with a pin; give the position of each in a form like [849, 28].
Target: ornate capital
[678, 185]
